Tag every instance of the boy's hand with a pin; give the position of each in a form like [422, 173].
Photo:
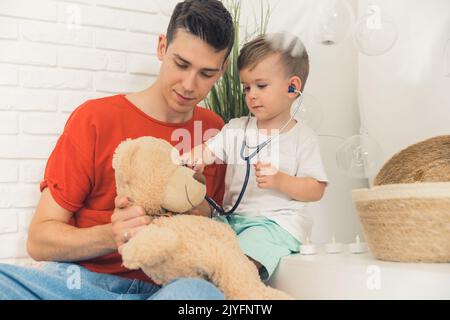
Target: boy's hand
[267, 176]
[194, 160]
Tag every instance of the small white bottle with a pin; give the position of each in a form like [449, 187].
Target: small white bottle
[334, 247]
[308, 248]
[358, 246]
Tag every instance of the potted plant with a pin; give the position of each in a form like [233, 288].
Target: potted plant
[227, 97]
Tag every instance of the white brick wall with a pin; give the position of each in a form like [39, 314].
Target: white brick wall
[54, 55]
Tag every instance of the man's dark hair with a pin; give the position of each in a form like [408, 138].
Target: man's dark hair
[207, 19]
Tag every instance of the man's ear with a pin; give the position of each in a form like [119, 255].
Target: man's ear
[162, 46]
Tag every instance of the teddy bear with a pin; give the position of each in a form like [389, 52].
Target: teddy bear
[175, 244]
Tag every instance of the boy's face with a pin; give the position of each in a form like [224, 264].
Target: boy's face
[189, 69]
[266, 89]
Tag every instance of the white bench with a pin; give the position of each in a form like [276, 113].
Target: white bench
[360, 276]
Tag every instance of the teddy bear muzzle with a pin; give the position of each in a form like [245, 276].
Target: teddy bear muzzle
[182, 197]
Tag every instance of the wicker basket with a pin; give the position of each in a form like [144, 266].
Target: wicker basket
[406, 216]
[427, 161]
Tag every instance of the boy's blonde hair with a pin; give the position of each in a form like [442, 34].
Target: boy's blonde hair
[291, 49]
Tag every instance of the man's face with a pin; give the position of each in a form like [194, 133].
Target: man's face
[189, 69]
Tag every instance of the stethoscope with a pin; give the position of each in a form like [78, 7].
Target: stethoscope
[257, 149]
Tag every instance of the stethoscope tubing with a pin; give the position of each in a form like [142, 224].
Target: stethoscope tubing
[247, 159]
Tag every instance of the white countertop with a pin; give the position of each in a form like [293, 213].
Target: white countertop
[360, 276]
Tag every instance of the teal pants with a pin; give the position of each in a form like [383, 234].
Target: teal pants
[262, 240]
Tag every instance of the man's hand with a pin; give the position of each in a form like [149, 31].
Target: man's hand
[127, 220]
[267, 176]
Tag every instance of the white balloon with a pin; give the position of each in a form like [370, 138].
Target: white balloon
[375, 33]
[310, 113]
[332, 22]
[360, 156]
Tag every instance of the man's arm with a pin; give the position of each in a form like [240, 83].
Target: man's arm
[51, 238]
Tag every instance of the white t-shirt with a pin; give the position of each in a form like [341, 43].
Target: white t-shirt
[295, 152]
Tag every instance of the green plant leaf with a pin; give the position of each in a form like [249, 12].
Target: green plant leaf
[227, 97]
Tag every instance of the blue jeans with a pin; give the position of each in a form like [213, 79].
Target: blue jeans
[64, 281]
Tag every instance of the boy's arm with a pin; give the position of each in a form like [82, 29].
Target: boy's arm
[198, 158]
[301, 189]
[298, 188]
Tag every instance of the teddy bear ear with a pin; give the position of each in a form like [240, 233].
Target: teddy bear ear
[117, 153]
[125, 154]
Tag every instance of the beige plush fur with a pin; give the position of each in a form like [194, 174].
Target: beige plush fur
[147, 171]
[177, 246]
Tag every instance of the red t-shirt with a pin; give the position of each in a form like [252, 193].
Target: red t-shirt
[79, 171]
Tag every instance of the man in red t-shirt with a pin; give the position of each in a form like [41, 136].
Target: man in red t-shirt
[79, 222]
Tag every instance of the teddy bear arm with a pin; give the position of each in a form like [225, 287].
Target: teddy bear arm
[150, 246]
